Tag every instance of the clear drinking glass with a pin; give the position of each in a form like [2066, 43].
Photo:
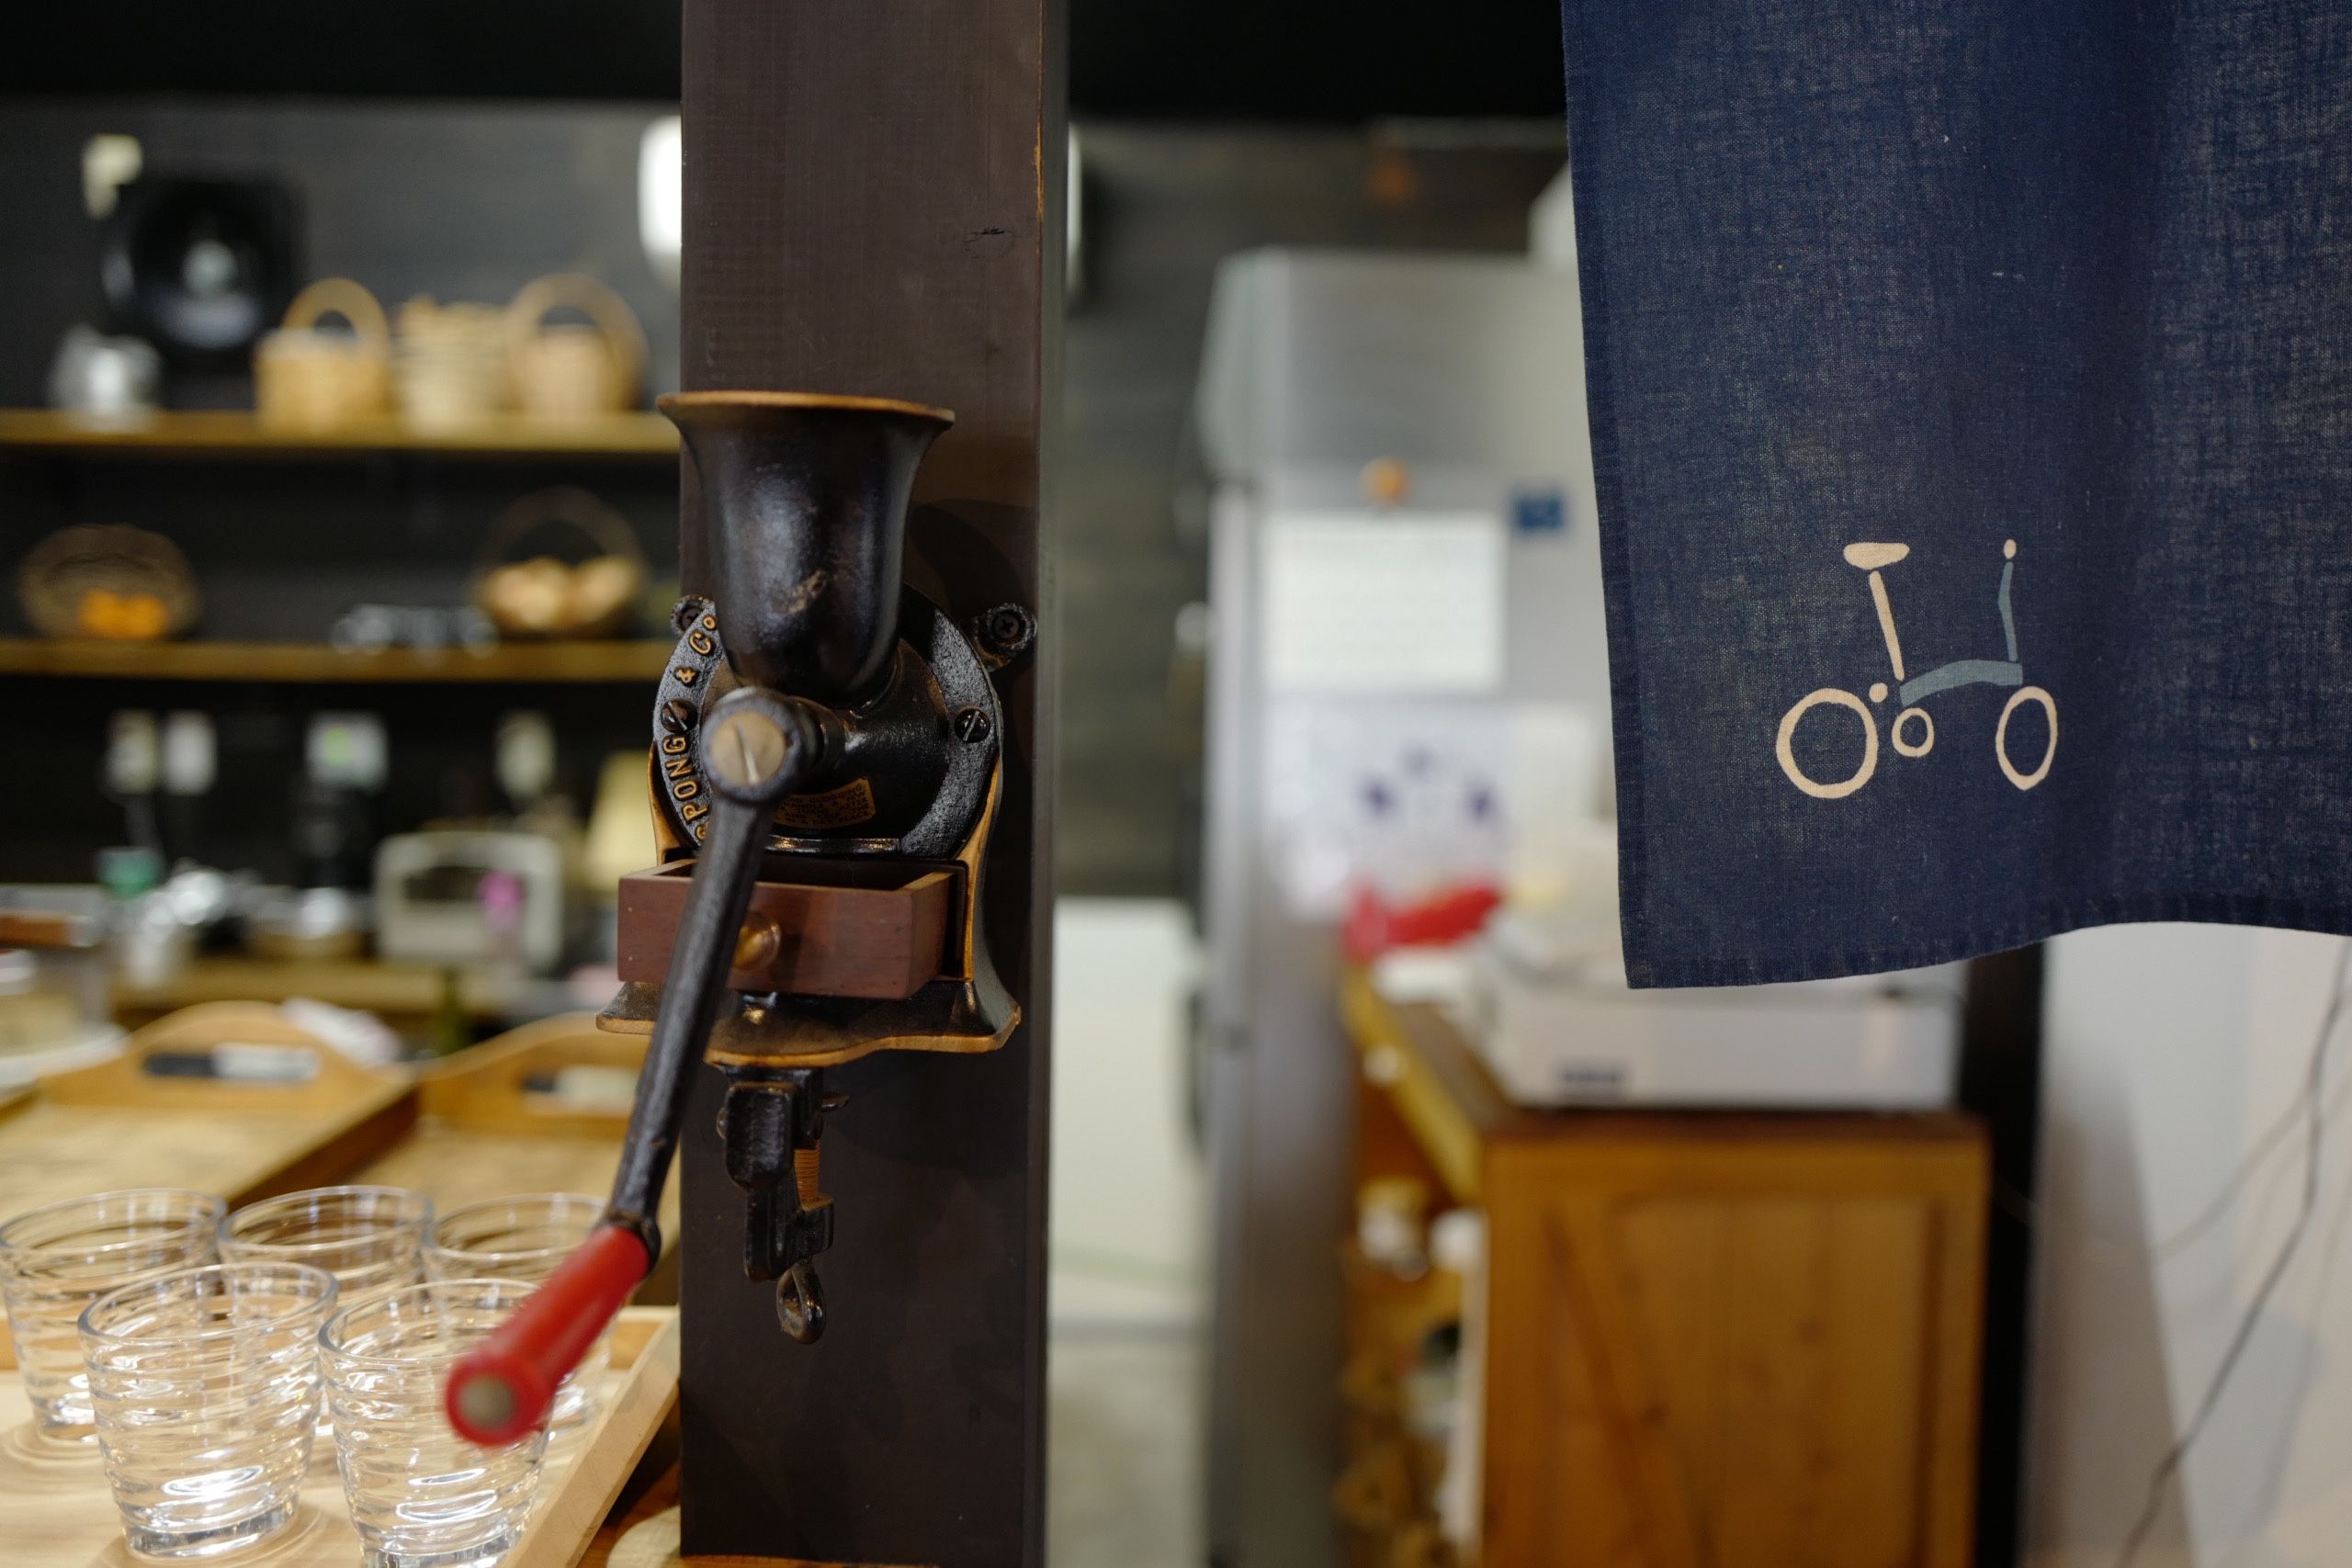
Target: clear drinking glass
[370, 1238]
[56, 1261]
[206, 1388]
[524, 1238]
[421, 1495]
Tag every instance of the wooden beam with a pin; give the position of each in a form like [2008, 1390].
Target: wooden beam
[874, 205]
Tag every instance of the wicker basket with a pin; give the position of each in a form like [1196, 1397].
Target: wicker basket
[567, 369]
[306, 378]
[107, 581]
[543, 596]
[449, 365]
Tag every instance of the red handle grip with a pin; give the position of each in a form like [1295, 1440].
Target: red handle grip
[502, 1388]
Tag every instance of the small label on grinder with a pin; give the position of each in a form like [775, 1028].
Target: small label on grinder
[846, 807]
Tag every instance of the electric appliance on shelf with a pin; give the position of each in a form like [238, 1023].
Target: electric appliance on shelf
[467, 896]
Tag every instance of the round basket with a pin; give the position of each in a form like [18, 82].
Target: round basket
[449, 365]
[306, 378]
[107, 581]
[568, 369]
[545, 596]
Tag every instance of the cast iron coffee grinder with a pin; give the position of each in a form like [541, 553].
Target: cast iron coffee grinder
[826, 768]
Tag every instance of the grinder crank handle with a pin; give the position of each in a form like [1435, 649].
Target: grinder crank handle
[756, 747]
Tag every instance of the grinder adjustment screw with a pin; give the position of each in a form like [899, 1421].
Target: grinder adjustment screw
[746, 748]
[1003, 632]
[755, 742]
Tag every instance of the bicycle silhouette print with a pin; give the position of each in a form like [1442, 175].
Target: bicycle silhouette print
[1913, 731]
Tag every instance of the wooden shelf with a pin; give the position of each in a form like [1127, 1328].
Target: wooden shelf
[296, 663]
[236, 432]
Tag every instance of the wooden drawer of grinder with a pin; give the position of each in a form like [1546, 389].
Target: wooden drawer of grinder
[822, 928]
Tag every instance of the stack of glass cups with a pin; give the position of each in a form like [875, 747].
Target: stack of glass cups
[524, 1238]
[421, 1495]
[55, 1261]
[204, 1385]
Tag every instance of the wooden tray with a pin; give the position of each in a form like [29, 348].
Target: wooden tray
[139, 1120]
[540, 1109]
[56, 1512]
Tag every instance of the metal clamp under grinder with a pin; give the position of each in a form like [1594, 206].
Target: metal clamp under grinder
[825, 769]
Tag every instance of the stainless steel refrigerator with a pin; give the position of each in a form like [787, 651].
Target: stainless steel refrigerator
[1467, 371]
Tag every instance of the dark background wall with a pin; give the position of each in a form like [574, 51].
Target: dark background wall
[471, 199]
[1339, 60]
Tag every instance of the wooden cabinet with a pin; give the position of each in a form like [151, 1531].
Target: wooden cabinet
[1709, 1340]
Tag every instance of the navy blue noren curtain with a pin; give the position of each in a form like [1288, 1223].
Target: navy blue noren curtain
[1971, 404]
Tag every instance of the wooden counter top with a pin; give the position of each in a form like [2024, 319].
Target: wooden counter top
[1443, 1092]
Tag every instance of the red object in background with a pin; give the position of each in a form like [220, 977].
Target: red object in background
[1374, 927]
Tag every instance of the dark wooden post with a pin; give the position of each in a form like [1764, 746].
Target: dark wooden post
[2000, 1080]
[874, 205]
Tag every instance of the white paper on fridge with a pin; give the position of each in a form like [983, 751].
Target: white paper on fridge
[1385, 602]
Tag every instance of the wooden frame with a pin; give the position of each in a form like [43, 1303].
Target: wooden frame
[873, 206]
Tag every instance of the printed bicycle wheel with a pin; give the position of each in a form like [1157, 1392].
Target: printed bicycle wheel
[1784, 747]
[1927, 741]
[2001, 735]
